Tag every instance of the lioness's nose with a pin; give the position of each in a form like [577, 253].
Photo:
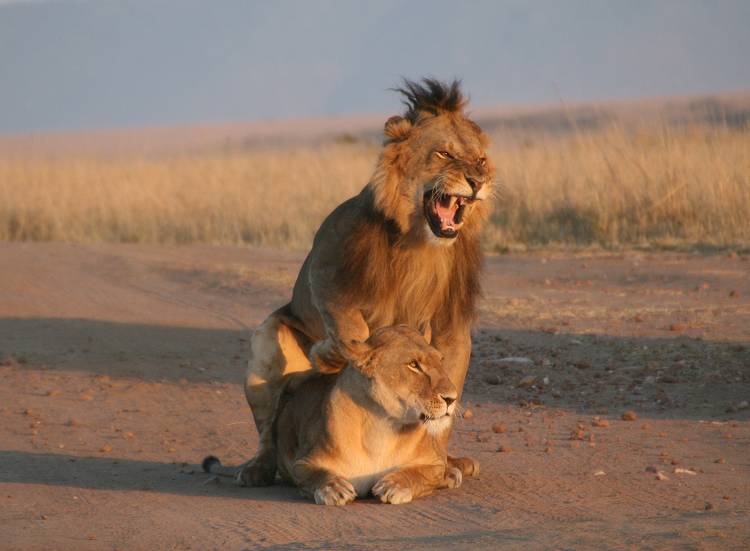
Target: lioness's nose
[448, 399]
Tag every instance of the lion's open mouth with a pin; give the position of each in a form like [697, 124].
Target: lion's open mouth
[444, 213]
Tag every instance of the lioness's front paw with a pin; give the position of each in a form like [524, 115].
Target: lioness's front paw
[453, 477]
[336, 491]
[467, 465]
[390, 490]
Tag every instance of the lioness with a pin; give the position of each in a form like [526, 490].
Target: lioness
[403, 251]
[370, 427]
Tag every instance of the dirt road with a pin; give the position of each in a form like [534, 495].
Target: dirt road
[120, 370]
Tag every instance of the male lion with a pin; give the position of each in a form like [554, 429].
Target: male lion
[369, 428]
[404, 251]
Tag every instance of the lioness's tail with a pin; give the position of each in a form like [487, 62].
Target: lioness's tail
[212, 465]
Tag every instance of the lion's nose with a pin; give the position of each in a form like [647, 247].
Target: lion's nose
[448, 400]
[475, 185]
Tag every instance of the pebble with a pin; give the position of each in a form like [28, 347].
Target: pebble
[629, 415]
[577, 434]
[678, 327]
[599, 473]
[602, 423]
[661, 476]
[527, 381]
[499, 428]
[491, 379]
[106, 448]
[504, 449]
[468, 414]
[680, 470]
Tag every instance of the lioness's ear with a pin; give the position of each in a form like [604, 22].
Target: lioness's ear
[397, 129]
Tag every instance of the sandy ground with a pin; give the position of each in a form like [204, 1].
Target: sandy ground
[120, 370]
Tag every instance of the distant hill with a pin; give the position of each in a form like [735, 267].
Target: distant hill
[730, 109]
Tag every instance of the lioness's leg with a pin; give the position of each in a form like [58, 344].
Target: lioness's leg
[410, 483]
[325, 487]
[276, 351]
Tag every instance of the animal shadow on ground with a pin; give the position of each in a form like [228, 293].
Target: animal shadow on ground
[127, 475]
[677, 376]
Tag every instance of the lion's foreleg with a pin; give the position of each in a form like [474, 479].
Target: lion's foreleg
[345, 329]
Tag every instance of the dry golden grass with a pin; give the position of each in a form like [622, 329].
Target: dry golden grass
[654, 186]
[657, 186]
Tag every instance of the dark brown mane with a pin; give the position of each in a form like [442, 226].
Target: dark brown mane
[375, 263]
[431, 96]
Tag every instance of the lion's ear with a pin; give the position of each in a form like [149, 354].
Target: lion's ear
[397, 128]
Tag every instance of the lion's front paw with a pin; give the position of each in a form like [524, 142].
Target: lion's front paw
[467, 465]
[336, 491]
[326, 358]
[390, 490]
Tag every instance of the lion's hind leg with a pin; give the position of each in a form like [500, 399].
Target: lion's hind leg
[276, 352]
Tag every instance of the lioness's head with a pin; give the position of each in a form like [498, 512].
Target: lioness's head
[404, 375]
[433, 174]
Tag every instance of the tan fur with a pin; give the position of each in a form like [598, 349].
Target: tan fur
[376, 262]
[368, 428]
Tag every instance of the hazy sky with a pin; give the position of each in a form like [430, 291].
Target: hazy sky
[76, 64]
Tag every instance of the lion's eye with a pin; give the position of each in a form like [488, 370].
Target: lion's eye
[414, 366]
[443, 154]
[482, 161]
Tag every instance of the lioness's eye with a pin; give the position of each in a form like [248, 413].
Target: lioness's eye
[414, 366]
[443, 154]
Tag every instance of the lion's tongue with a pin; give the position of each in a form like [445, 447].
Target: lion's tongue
[445, 208]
